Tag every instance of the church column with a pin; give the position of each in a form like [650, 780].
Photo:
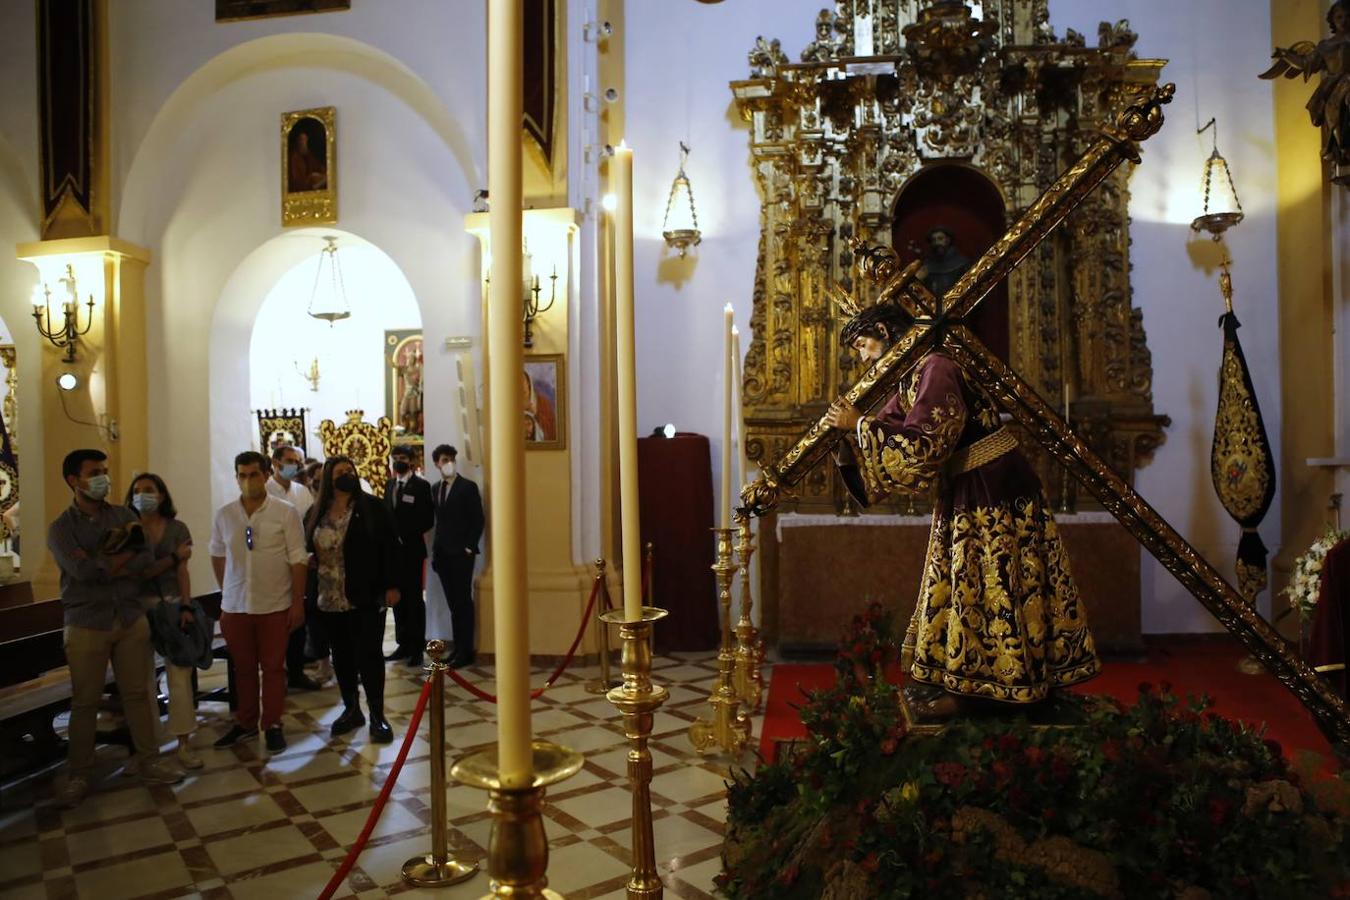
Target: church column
[1303, 250]
[106, 406]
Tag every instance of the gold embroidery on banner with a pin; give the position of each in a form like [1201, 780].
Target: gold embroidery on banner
[1238, 461]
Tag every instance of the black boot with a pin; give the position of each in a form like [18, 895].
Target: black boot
[380, 732]
[350, 720]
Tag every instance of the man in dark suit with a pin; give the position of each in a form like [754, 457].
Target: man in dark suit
[409, 497]
[459, 527]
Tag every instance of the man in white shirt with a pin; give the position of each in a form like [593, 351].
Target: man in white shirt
[259, 557]
[287, 464]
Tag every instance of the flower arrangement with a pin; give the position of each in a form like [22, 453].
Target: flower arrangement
[1159, 798]
[1306, 584]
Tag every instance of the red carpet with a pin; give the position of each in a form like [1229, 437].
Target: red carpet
[1192, 667]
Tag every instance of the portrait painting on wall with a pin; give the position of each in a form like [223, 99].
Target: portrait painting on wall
[403, 382]
[309, 167]
[544, 385]
[235, 10]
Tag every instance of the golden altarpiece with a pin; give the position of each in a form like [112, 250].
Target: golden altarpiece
[900, 116]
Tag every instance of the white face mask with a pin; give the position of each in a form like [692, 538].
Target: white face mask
[448, 469]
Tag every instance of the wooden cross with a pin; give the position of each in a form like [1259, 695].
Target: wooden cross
[942, 324]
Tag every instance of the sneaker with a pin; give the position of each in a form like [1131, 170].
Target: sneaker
[187, 758]
[73, 792]
[161, 771]
[302, 682]
[236, 734]
[350, 720]
[275, 740]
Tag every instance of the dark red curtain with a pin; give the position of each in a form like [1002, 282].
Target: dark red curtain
[676, 501]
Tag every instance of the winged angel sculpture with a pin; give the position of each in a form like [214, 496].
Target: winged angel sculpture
[1329, 106]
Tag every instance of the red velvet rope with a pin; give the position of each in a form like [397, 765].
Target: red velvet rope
[350, 860]
[562, 666]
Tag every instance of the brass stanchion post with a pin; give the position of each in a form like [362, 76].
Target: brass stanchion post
[637, 699]
[724, 729]
[438, 868]
[749, 648]
[605, 682]
[518, 847]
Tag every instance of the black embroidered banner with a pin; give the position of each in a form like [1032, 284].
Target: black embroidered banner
[1240, 461]
[540, 55]
[67, 49]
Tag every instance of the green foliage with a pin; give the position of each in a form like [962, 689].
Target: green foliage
[1163, 795]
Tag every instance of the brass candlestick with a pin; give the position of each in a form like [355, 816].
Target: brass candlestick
[749, 681]
[724, 729]
[637, 699]
[605, 682]
[518, 848]
[438, 868]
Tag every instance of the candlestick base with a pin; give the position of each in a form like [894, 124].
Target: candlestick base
[637, 700]
[725, 729]
[518, 847]
[748, 680]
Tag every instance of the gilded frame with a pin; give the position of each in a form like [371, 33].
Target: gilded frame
[554, 367]
[316, 206]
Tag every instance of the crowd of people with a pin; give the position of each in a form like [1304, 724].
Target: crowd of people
[307, 562]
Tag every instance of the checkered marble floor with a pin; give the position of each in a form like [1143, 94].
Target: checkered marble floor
[250, 826]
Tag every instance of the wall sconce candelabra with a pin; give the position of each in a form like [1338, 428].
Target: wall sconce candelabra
[312, 375]
[69, 332]
[532, 308]
[680, 226]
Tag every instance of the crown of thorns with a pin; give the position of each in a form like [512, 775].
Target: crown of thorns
[875, 264]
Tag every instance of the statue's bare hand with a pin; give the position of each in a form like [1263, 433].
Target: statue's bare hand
[842, 415]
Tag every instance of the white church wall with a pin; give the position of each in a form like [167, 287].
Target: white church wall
[680, 58]
[19, 215]
[204, 195]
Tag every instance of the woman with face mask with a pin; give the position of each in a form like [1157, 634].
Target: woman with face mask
[167, 582]
[355, 545]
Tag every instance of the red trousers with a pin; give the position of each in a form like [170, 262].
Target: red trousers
[257, 643]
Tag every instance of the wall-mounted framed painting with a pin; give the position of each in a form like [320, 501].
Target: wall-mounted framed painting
[237, 10]
[545, 387]
[403, 382]
[309, 167]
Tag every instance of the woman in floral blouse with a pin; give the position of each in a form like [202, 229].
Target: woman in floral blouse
[355, 543]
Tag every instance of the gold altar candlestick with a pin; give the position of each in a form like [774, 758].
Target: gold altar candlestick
[605, 682]
[637, 699]
[517, 847]
[437, 868]
[749, 678]
[724, 729]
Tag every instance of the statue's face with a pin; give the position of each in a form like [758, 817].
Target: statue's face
[869, 349]
[940, 241]
[1340, 19]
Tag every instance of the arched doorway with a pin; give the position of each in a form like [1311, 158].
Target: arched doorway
[962, 201]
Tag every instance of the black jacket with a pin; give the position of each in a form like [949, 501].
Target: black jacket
[459, 518]
[415, 514]
[369, 552]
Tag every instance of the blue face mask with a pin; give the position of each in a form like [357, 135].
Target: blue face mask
[98, 487]
[289, 471]
[145, 503]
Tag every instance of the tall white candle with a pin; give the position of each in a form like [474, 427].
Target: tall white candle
[621, 173]
[505, 363]
[729, 374]
[743, 460]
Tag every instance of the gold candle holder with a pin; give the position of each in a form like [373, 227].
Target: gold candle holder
[637, 699]
[518, 848]
[749, 678]
[438, 868]
[605, 682]
[725, 729]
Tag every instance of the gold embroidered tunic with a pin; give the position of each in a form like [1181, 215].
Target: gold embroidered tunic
[998, 614]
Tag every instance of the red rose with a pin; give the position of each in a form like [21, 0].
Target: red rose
[1033, 754]
[871, 862]
[950, 773]
[888, 746]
